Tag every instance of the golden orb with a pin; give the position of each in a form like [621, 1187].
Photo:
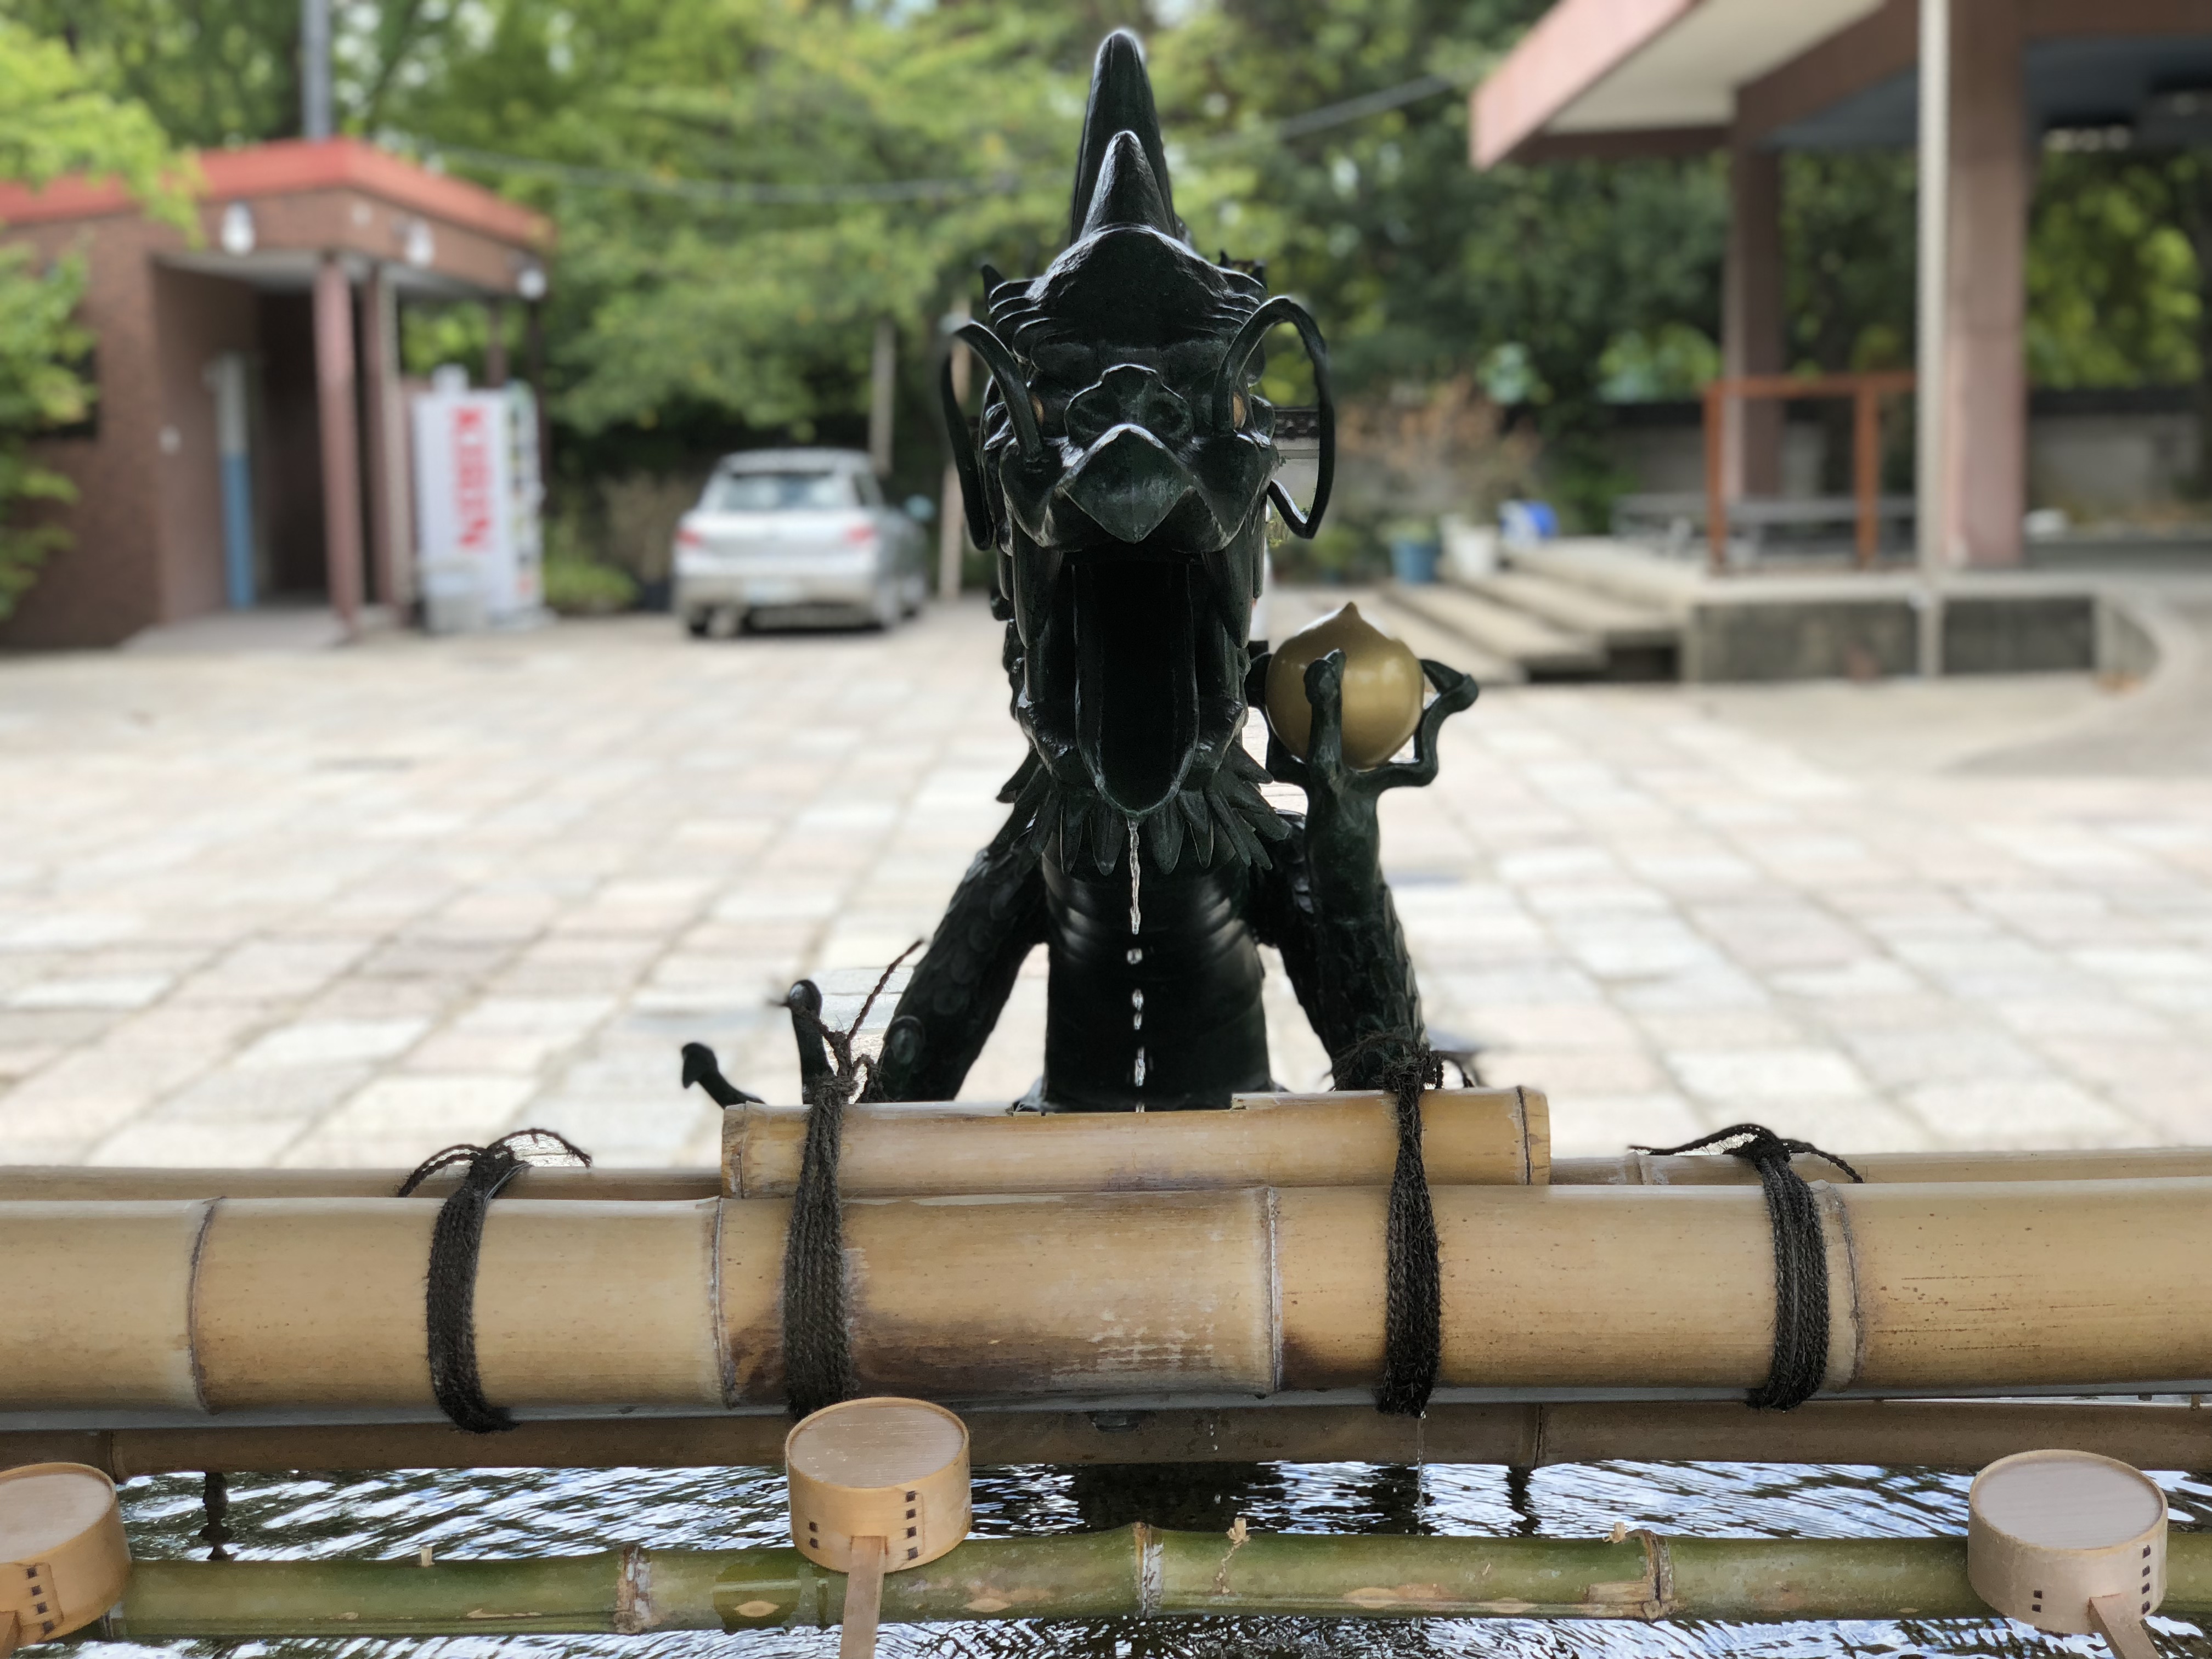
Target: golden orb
[1383, 687]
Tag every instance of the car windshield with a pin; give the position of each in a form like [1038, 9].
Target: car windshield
[778, 492]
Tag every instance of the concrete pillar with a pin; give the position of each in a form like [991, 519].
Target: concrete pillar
[494, 343]
[1985, 302]
[390, 500]
[1752, 323]
[952, 512]
[341, 440]
[533, 348]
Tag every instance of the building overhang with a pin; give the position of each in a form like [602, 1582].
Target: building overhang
[1619, 74]
[268, 212]
[1614, 79]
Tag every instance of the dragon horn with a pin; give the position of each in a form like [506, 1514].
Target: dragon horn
[1120, 101]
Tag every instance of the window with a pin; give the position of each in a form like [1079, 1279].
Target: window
[779, 492]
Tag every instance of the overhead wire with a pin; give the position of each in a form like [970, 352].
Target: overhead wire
[743, 193]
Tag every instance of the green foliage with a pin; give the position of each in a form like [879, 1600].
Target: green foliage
[1673, 361]
[1847, 228]
[2113, 283]
[53, 121]
[699, 308]
[223, 72]
[580, 587]
[1419, 267]
[38, 390]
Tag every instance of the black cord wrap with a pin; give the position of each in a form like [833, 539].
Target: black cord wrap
[1800, 1258]
[1412, 1315]
[1401, 1064]
[817, 1334]
[450, 1292]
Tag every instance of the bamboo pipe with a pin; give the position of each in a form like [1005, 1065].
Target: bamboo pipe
[302, 1304]
[1944, 1434]
[1703, 1170]
[74, 1184]
[1468, 1137]
[1135, 1571]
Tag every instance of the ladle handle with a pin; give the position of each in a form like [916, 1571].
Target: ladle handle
[2116, 1620]
[863, 1601]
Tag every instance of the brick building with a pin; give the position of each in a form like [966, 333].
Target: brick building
[249, 444]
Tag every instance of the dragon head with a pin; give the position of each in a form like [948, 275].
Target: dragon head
[1125, 479]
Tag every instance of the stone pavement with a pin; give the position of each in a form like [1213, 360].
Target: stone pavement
[347, 906]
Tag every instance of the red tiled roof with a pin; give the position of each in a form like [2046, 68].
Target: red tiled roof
[294, 165]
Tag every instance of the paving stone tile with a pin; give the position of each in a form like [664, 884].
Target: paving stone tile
[1600, 1125]
[2024, 1112]
[398, 1120]
[112, 991]
[1764, 1077]
[328, 1042]
[558, 857]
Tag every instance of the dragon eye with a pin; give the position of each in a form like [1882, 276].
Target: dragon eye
[1037, 404]
[1237, 408]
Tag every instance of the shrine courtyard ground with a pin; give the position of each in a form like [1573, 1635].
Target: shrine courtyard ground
[272, 907]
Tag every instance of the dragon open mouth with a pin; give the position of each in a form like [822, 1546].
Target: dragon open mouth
[1136, 673]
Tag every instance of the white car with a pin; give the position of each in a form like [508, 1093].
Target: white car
[799, 536]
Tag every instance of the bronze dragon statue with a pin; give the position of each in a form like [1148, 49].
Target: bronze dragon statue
[1123, 471]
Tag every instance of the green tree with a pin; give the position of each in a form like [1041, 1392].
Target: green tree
[217, 73]
[695, 290]
[53, 121]
[1419, 267]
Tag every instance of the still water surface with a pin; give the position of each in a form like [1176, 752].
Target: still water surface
[530, 1512]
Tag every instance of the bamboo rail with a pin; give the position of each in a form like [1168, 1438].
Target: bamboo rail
[1135, 1571]
[1946, 1434]
[74, 1184]
[1882, 1168]
[306, 1304]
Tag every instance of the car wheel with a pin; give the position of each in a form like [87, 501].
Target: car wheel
[698, 624]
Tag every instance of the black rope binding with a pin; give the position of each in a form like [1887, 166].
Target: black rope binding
[1401, 1063]
[1800, 1258]
[817, 1335]
[450, 1291]
[1413, 1313]
[215, 1502]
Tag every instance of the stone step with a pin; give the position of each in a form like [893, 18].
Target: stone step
[1539, 649]
[1614, 623]
[1619, 570]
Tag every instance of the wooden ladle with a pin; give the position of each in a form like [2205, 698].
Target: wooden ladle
[877, 1485]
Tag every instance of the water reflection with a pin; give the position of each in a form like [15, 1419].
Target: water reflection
[523, 1512]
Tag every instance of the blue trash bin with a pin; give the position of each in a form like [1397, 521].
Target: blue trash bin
[1413, 560]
